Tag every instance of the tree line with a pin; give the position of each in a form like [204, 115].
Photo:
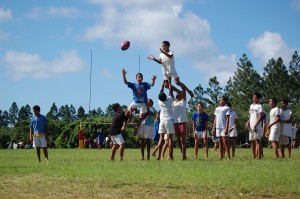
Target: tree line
[277, 80]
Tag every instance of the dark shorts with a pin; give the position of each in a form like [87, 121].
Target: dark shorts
[181, 129]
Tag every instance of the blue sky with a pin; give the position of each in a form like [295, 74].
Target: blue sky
[45, 46]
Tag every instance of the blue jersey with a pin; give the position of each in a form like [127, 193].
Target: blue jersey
[155, 136]
[100, 137]
[148, 119]
[200, 119]
[139, 91]
[38, 124]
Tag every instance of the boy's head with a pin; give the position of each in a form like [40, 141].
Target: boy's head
[284, 103]
[200, 107]
[256, 97]
[162, 96]
[139, 77]
[165, 45]
[228, 104]
[272, 102]
[223, 100]
[150, 102]
[36, 110]
[116, 107]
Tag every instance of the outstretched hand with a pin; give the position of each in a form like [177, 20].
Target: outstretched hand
[124, 71]
[154, 77]
[151, 57]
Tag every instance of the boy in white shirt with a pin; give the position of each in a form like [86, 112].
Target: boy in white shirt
[286, 127]
[220, 126]
[166, 125]
[254, 122]
[233, 122]
[274, 127]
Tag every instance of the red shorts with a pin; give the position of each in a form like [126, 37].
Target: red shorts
[181, 129]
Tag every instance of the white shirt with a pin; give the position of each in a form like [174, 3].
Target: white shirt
[232, 117]
[286, 128]
[254, 111]
[273, 113]
[220, 116]
[179, 108]
[168, 64]
[166, 109]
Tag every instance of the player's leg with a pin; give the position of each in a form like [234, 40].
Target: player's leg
[160, 145]
[183, 86]
[142, 145]
[226, 146]
[205, 143]
[38, 153]
[196, 147]
[113, 151]
[170, 140]
[148, 145]
[121, 148]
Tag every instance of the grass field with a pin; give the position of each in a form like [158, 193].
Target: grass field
[87, 173]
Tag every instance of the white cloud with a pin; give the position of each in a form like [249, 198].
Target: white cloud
[22, 64]
[67, 12]
[152, 21]
[5, 14]
[270, 45]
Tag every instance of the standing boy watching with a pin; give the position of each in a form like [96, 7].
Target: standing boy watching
[140, 97]
[220, 126]
[115, 130]
[255, 131]
[200, 129]
[166, 59]
[39, 132]
[286, 119]
[233, 122]
[274, 127]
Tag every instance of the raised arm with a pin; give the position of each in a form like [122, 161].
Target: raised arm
[166, 53]
[124, 76]
[153, 80]
[151, 57]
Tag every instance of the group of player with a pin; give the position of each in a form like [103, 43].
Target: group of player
[173, 118]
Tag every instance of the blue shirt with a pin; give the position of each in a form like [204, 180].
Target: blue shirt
[148, 119]
[200, 119]
[155, 136]
[139, 91]
[38, 124]
[100, 137]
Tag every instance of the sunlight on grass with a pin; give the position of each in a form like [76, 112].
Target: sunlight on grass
[88, 173]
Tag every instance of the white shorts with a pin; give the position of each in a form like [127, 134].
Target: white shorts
[283, 140]
[166, 136]
[117, 139]
[39, 142]
[201, 134]
[274, 135]
[170, 75]
[220, 133]
[233, 133]
[145, 132]
[255, 135]
[166, 126]
[141, 106]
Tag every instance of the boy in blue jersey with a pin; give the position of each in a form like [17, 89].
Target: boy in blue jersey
[200, 129]
[155, 137]
[39, 132]
[145, 131]
[140, 97]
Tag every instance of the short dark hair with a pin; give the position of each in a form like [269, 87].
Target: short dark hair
[37, 108]
[166, 43]
[286, 101]
[162, 96]
[115, 106]
[139, 74]
[274, 100]
[201, 104]
[151, 101]
[228, 104]
[257, 94]
[224, 98]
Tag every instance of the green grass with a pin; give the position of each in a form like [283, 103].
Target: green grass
[84, 173]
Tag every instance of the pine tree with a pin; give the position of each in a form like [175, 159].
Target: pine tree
[53, 113]
[23, 114]
[81, 113]
[13, 113]
[294, 85]
[198, 98]
[214, 91]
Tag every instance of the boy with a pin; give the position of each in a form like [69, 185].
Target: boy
[155, 137]
[166, 125]
[294, 135]
[39, 132]
[166, 59]
[145, 131]
[274, 127]
[220, 126]
[200, 129]
[115, 130]
[139, 95]
[254, 121]
[286, 128]
[233, 122]
[180, 121]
